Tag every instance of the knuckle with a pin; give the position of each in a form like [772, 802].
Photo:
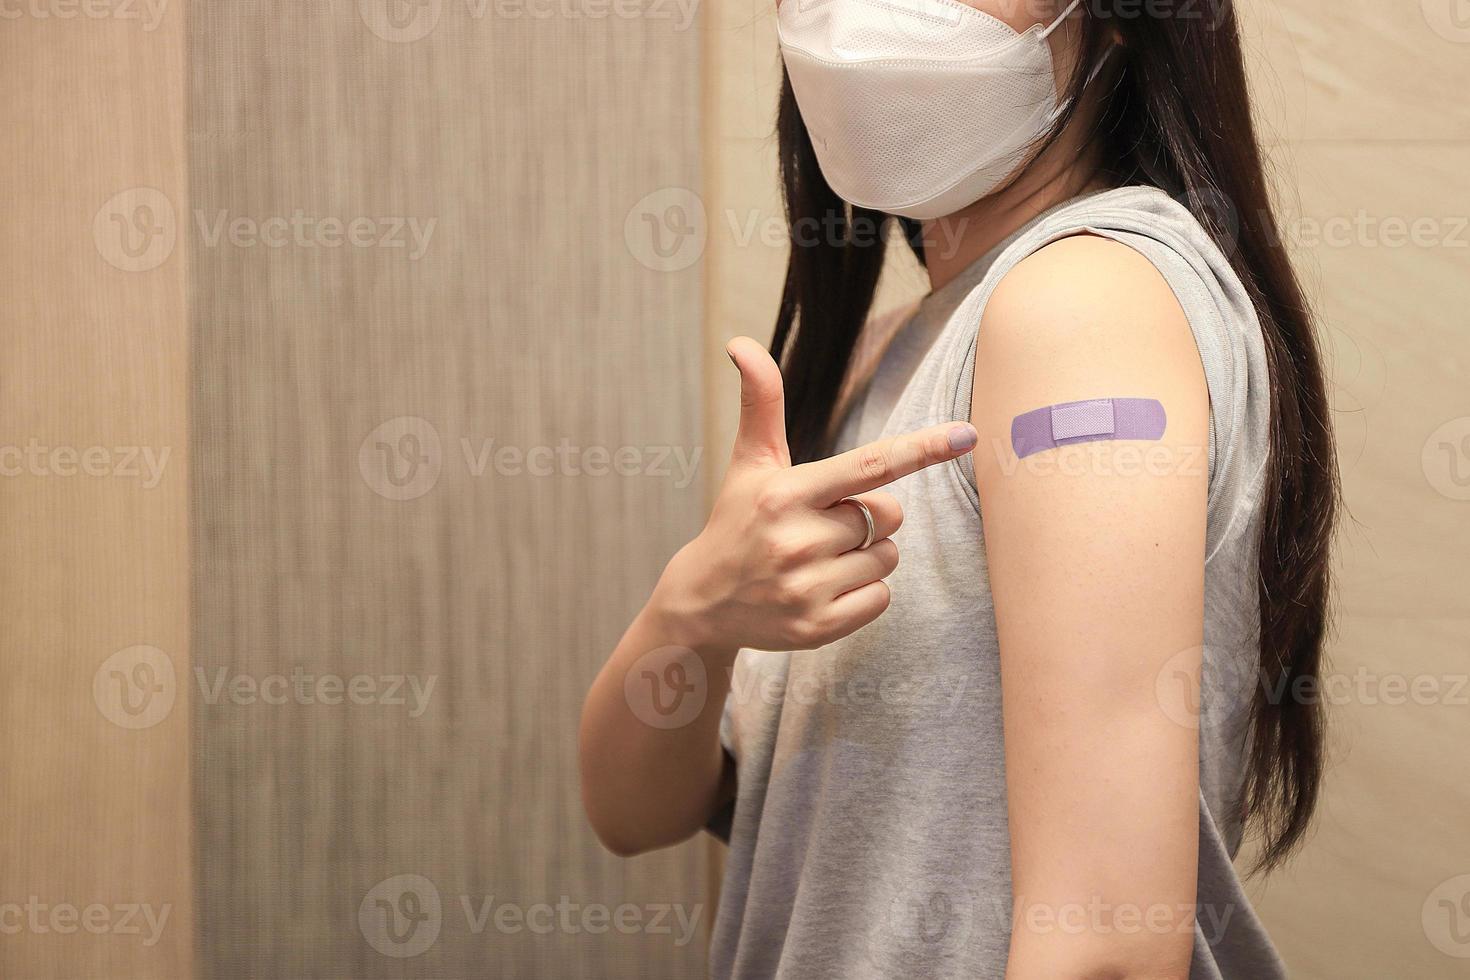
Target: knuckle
[933, 448]
[790, 592]
[774, 499]
[789, 549]
[885, 597]
[873, 462]
[809, 634]
[757, 396]
[797, 636]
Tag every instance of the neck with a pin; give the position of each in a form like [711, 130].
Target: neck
[952, 243]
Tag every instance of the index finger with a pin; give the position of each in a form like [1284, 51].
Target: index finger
[878, 464]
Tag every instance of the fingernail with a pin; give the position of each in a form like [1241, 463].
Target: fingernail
[962, 438]
[732, 358]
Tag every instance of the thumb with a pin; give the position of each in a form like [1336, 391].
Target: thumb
[762, 434]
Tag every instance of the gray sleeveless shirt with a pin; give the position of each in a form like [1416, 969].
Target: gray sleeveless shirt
[869, 833]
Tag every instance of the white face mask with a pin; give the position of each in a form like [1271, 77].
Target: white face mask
[916, 107]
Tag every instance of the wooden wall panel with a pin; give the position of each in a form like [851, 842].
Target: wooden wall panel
[1364, 105]
[94, 786]
[331, 538]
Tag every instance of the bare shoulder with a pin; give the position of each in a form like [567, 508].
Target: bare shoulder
[1085, 293]
[1082, 318]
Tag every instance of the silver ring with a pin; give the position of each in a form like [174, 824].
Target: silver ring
[868, 517]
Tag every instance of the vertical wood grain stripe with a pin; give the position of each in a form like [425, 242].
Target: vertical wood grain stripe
[355, 515]
[94, 786]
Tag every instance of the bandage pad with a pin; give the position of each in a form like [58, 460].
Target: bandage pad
[1087, 421]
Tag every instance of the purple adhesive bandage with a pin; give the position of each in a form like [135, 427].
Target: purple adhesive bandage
[1087, 421]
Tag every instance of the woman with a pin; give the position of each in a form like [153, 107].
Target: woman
[1033, 748]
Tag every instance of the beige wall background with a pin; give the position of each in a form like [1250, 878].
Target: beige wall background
[94, 736]
[339, 259]
[1363, 105]
[355, 513]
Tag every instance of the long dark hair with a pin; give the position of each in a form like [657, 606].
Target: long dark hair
[1176, 117]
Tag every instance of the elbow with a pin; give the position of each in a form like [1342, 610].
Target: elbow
[622, 845]
[630, 804]
[1159, 961]
[1163, 957]
[629, 832]
[622, 839]
[618, 827]
[1104, 968]
[617, 836]
[614, 834]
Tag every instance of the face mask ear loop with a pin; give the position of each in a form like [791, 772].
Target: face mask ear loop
[1064, 15]
[1102, 62]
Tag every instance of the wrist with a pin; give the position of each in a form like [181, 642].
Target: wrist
[678, 616]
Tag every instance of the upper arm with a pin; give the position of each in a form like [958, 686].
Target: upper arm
[1096, 562]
